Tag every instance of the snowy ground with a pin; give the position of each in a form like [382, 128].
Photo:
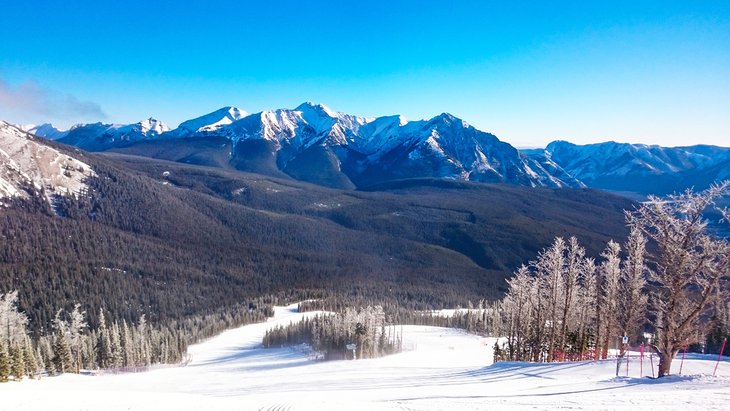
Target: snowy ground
[446, 370]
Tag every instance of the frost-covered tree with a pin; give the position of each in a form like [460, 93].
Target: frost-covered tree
[76, 327]
[574, 265]
[13, 323]
[588, 316]
[611, 272]
[550, 266]
[690, 268]
[632, 296]
[517, 309]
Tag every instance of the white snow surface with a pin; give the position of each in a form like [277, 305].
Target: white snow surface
[446, 369]
[26, 163]
[209, 122]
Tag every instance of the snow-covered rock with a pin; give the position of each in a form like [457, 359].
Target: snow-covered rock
[28, 167]
[208, 123]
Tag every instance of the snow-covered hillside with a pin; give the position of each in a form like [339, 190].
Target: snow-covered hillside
[208, 123]
[100, 136]
[28, 167]
[638, 167]
[445, 369]
[45, 130]
[315, 143]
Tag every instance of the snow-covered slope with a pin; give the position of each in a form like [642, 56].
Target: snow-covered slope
[45, 130]
[29, 168]
[640, 168]
[317, 144]
[208, 123]
[99, 136]
[442, 369]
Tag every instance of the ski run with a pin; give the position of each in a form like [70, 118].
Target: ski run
[440, 369]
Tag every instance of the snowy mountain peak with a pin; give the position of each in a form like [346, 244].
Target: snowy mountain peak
[46, 130]
[640, 168]
[152, 126]
[210, 122]
[449, 119]
[317, 108]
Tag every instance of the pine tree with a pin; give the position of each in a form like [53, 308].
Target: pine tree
[62, 360]
[116, 346]
[104, 353]
[17, 362]
[31, 360]
[45, 349]
[4, 362]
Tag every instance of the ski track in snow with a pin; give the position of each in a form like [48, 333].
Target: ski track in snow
[446, 369]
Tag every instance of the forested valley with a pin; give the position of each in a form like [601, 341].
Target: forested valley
[173, 244]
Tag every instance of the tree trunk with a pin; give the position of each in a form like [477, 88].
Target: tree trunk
[665, 364]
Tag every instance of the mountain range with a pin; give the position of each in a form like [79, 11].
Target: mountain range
[134, 235]
[316, 144]
[640, 168]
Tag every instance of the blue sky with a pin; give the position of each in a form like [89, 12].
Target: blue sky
[529, 72]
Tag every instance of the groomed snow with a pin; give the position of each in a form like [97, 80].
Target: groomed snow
[445, 370]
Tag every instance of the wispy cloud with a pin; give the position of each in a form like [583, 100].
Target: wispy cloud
[29, 101]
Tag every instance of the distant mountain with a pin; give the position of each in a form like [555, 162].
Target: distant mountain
[45, 130]
[316, 144]
[208, 123]
[31, 169]
[99, 136]
[639, 168]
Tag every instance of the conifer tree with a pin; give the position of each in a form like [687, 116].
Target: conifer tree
[29, 354]
[104, 353]
[62, 360]
[17, 362]
[45, 349]
[4, 362]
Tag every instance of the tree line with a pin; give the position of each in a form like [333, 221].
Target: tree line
[482, 317]
[333, 335]
[672, 280]
[71, 345]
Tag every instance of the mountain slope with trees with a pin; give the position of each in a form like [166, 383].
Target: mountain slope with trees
[170, 240]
